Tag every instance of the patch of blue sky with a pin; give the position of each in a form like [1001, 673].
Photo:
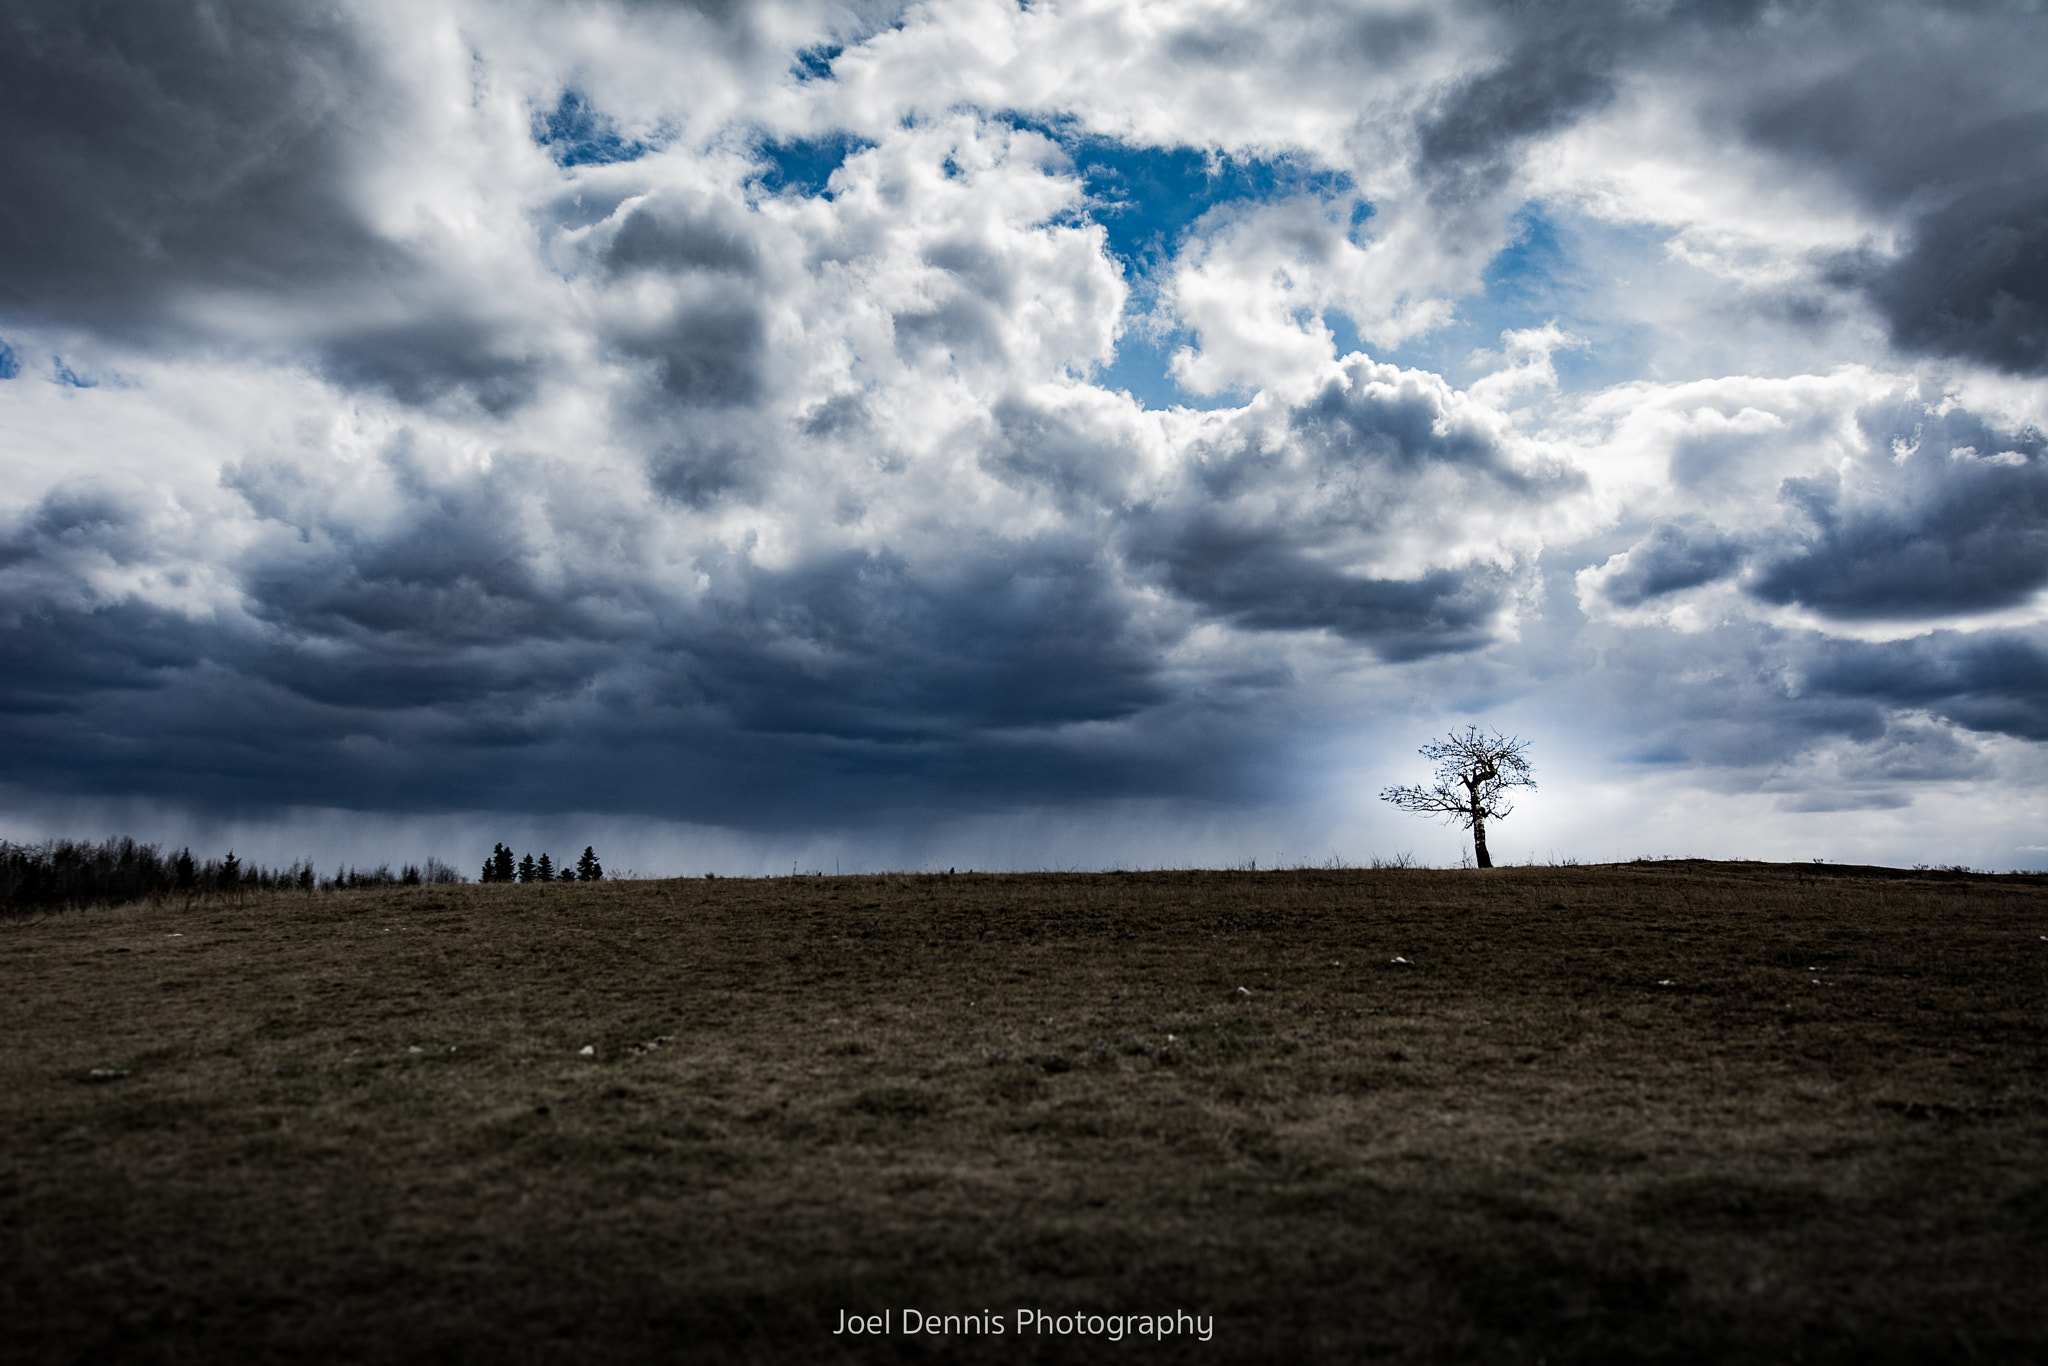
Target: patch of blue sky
[1344, 331]
[805, 165]
[815, 63]
[576, 133]
[60, 373]
[10, 361]
[1557, 267]
[1147, 198]
[1143, 370]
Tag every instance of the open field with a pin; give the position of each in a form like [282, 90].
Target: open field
[1666, 1112]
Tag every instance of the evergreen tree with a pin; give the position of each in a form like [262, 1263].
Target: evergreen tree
[527, 872]
[544, 871]
[498, 868]
[187, 876]
[588, 869]
[230, 872]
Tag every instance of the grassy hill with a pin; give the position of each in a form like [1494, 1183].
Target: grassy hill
[1657, 1112]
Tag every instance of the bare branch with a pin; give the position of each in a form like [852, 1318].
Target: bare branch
[1426, 801]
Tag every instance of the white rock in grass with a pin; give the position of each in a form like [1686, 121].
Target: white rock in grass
[415, 1049]
[587, 1051]
[1397, 958]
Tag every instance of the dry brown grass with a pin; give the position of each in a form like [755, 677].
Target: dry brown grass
[1823, 1142]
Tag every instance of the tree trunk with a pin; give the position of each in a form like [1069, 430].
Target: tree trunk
[1479, 840]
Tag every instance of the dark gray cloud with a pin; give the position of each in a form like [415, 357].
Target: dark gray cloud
[1402, 428]
[152, 149]
[1991, 681]
[670, 232]
[1936, 114]
[1955, 523]
[1560, 68]
[1943, 514]
[455, 573]
[706, 350]
[1060, 452]
[1558, 64]
[443, 651]
[1280, 535]
[1677, 554]
[1553, 72]
[1269, 582]
[1974, 282]
[427, 357]
[964, 327]
[1035, 634]
[969, 321]
[1726, 699]
[1824, 724]
[708, 345]
[170, 166]
[86, 516]
[852, 688]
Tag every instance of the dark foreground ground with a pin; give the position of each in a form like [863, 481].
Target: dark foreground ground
[1672, 1112]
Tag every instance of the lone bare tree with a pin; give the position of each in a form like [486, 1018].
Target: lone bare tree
[1473, 774]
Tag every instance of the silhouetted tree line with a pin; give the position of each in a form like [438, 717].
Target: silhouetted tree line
[500, 867]
[58, 874]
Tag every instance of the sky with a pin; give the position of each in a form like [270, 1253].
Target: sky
[1064, 434]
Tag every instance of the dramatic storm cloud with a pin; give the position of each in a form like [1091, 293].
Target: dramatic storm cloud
[1027, 434]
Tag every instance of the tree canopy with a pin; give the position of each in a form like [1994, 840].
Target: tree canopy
[1476, 772]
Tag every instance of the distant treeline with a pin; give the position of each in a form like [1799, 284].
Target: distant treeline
[500, 867]
[68, 873]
